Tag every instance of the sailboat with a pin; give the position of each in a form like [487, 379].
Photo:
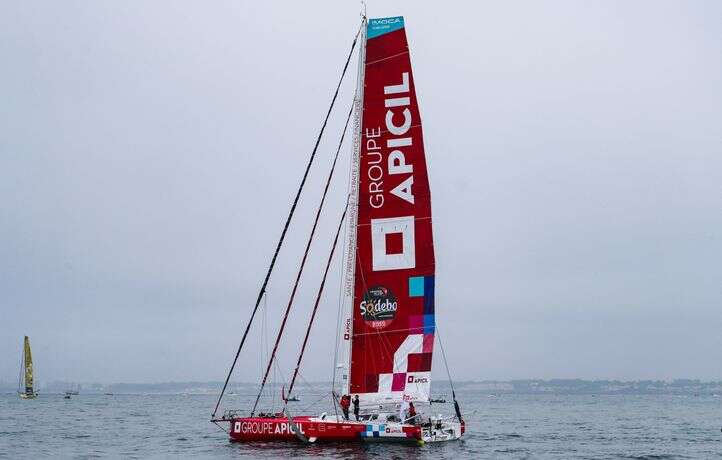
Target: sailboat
[25, 385]
[387, 330]
[73, 390]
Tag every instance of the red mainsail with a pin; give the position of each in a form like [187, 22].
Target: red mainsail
[393, 308]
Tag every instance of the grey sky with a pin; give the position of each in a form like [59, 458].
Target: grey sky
[149, 152]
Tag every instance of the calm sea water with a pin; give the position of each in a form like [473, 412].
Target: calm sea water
[507, 426]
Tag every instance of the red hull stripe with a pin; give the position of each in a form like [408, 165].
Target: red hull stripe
[278, 429]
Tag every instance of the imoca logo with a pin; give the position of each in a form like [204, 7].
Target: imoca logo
[375, 22]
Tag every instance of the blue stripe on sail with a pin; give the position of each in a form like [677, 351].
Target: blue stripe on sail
[428, 295]
[429, 324]
[380, 26]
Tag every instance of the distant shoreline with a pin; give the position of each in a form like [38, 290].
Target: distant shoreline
[494, 387]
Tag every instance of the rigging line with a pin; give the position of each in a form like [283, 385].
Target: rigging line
[335, 406]
[338, 150]
[262, 341]
[313, 403]
[446, 364]
[320, 291]
[288, 222]
[277, 370]
[451, 382]
[305, 256]
[264, 347]
[308, 384]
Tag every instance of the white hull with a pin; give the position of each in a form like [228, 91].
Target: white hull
[444, 431]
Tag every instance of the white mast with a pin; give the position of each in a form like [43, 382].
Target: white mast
[352, 220]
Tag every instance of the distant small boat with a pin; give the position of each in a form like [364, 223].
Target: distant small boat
[290, 398]
[74, 390]
[25, 385]
[108, 394]
[67, 395]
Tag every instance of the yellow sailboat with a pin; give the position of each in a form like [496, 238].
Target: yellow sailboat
[26, 390]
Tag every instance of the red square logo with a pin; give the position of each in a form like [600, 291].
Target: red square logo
[394, 243]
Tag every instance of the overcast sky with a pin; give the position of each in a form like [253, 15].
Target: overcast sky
[149, 152]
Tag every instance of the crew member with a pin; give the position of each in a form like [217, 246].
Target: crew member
[345, 403]
[356, 407]
[412, 413]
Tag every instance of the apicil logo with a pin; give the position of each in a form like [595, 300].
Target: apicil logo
[412, 379]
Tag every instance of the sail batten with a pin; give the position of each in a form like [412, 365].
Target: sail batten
[393, 318]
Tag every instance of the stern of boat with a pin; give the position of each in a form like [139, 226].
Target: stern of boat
[438, 431]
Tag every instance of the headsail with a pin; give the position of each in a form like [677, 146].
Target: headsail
[393, 310]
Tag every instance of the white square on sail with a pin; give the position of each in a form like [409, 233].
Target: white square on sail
[381, 259]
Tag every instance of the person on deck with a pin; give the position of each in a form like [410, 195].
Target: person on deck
[345, 403]
[412, 413]
[356, 407]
